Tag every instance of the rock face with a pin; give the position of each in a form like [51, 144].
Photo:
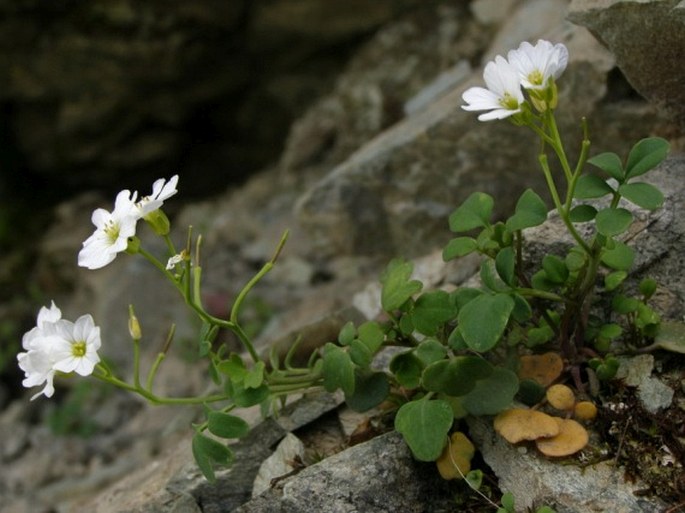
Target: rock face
[393, 195]
[97, 91]
[648, 40]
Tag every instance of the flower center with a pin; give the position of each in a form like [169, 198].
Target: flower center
[536, 77]
[509, 102]
[112, 230]
[78, 349]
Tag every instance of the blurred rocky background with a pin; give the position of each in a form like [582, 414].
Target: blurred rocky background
[339, 121]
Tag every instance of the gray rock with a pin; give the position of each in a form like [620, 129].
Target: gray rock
[636, 372]
[648, 40]
[536, 481]
[393, 195]
[378, 476]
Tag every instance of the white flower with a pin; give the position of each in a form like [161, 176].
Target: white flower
[538, 64]
[175, 260]
[75, 347]
[37, 366]
[55, 344]
[161, 190]
[502, 98]
[112, 233]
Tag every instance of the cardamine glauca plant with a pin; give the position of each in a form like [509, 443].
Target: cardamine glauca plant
[456, 352]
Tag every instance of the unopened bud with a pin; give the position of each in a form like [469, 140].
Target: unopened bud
[133, 245]
[159, 222]
[133, 325]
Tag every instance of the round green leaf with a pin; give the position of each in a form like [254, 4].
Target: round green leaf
[642, 194]
[456, 376]
[459, 247]
[371, 334]
[208, 452]
[610, 163]
[645, 155]
[407, 369]
[338, 369]
[360, 354]
[591, 186]
[370, 390]
[612, 221]
[555, 269]
[226, 425]
[424, 424]
[475, 212]
[483, 320]
[431, 310]
[620, 257]
[347, 334]
[493, 394]
[505, 264]
[397, 286]
[582, 213]
[613, 280]
[430, 350]
[530, 211]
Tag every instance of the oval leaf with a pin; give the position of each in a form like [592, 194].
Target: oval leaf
[226, 425]
[424, 425]
[610, 163]
[582, 213]
[459, 247]
[338, 370]
[483, 320]
[642, 194]
[397, 286]
[612, 221]
[591, 186]
[530, 211]
[505, 263]
[431, 311]
[475, 212]
[370, 389]
[646, 155]
[493, 394]
[620, 257]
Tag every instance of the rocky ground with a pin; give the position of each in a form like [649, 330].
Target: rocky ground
[369, 171]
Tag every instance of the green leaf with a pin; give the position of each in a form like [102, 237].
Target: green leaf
[245, 397]
[234, 368]
[591, 186]
[645, 155]
[530, 211]
[483, 320]
[360, 354]
[575, 259]
[642, 194]
[610, 163]
[610, 331]
[456, 341]
[338, 370]
[431, 311]
[208, 452]
[540, 281]
[508, 502]
[493, 394]
[370, 390]
[475, 212]
[430, 350]
[255, 377]
[489, 277]
[456, 376]
[347, 334]
[397, 286]
[582, 213]
[613, 280]
[464, 295]
[407, 369]
[555, 269]
[612, 221]
[226, 425]
[624, 305]
[424, 424]
[371, 334]
[620, 257]
[670, 337]
[522, 310]
[475, 479]
[530, 392]
[459, 247]
[647, 287]
[505, 263]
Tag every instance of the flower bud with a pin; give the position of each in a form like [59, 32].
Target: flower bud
[133, 245]
[159, 222]
[133, 325]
